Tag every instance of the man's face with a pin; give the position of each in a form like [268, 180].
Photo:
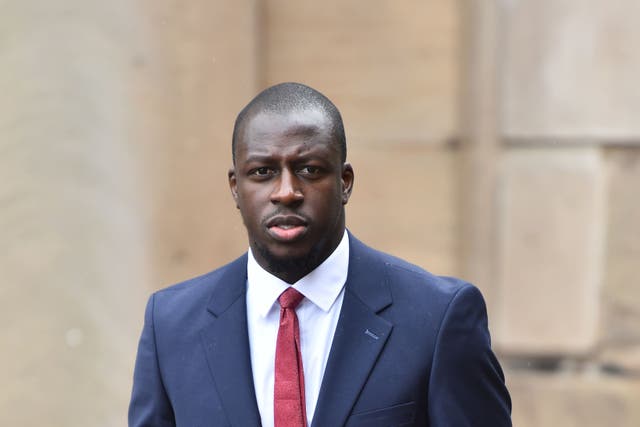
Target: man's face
[290, 186]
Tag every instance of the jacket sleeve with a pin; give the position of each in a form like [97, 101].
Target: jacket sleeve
[150, 405]
[466, 386]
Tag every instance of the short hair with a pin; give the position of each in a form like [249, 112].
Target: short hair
[286, 97]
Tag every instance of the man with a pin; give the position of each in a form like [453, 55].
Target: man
[312, 327]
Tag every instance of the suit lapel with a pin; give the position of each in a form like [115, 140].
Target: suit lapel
[359, 338]
[226, 343]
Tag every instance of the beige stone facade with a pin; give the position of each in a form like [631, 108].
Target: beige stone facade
[493, 140]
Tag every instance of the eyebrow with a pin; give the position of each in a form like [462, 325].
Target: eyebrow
[259, 158]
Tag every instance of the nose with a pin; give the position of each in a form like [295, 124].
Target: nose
[287, 190]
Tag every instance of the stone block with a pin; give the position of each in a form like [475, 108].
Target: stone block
[391, 67]
[620, 328]
[73, 260]
[570, 69]
[405, 202]
[568, 400]
[550, 238]
[621, 291]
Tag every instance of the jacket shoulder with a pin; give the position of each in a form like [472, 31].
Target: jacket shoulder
[401, 274]
[195, 293]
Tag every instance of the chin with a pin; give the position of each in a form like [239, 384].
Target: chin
[291, 259]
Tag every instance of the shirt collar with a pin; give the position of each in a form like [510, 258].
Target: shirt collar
[321, 286]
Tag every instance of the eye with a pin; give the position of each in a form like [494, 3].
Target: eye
[309, 170]
[262, 171]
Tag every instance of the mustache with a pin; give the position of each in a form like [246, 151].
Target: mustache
[284, 213]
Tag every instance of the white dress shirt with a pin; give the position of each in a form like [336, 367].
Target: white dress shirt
[318, 313]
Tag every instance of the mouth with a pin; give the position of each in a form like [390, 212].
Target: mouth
[287, 228]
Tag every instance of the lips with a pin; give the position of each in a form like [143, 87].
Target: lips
[286, 228]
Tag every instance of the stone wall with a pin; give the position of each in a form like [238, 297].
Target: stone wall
[568, 317]
[493, 140]
[114, 131]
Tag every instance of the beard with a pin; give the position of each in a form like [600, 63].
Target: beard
[295, 264]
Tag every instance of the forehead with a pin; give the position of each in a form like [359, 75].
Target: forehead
[274, 132]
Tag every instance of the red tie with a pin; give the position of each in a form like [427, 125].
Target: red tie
[288, 403]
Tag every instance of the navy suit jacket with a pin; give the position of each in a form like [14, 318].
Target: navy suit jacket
[410, 349]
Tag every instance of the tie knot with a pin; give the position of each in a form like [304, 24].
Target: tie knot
[290, 298]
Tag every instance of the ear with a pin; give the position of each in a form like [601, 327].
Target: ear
[347, 182]
[233, 185]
